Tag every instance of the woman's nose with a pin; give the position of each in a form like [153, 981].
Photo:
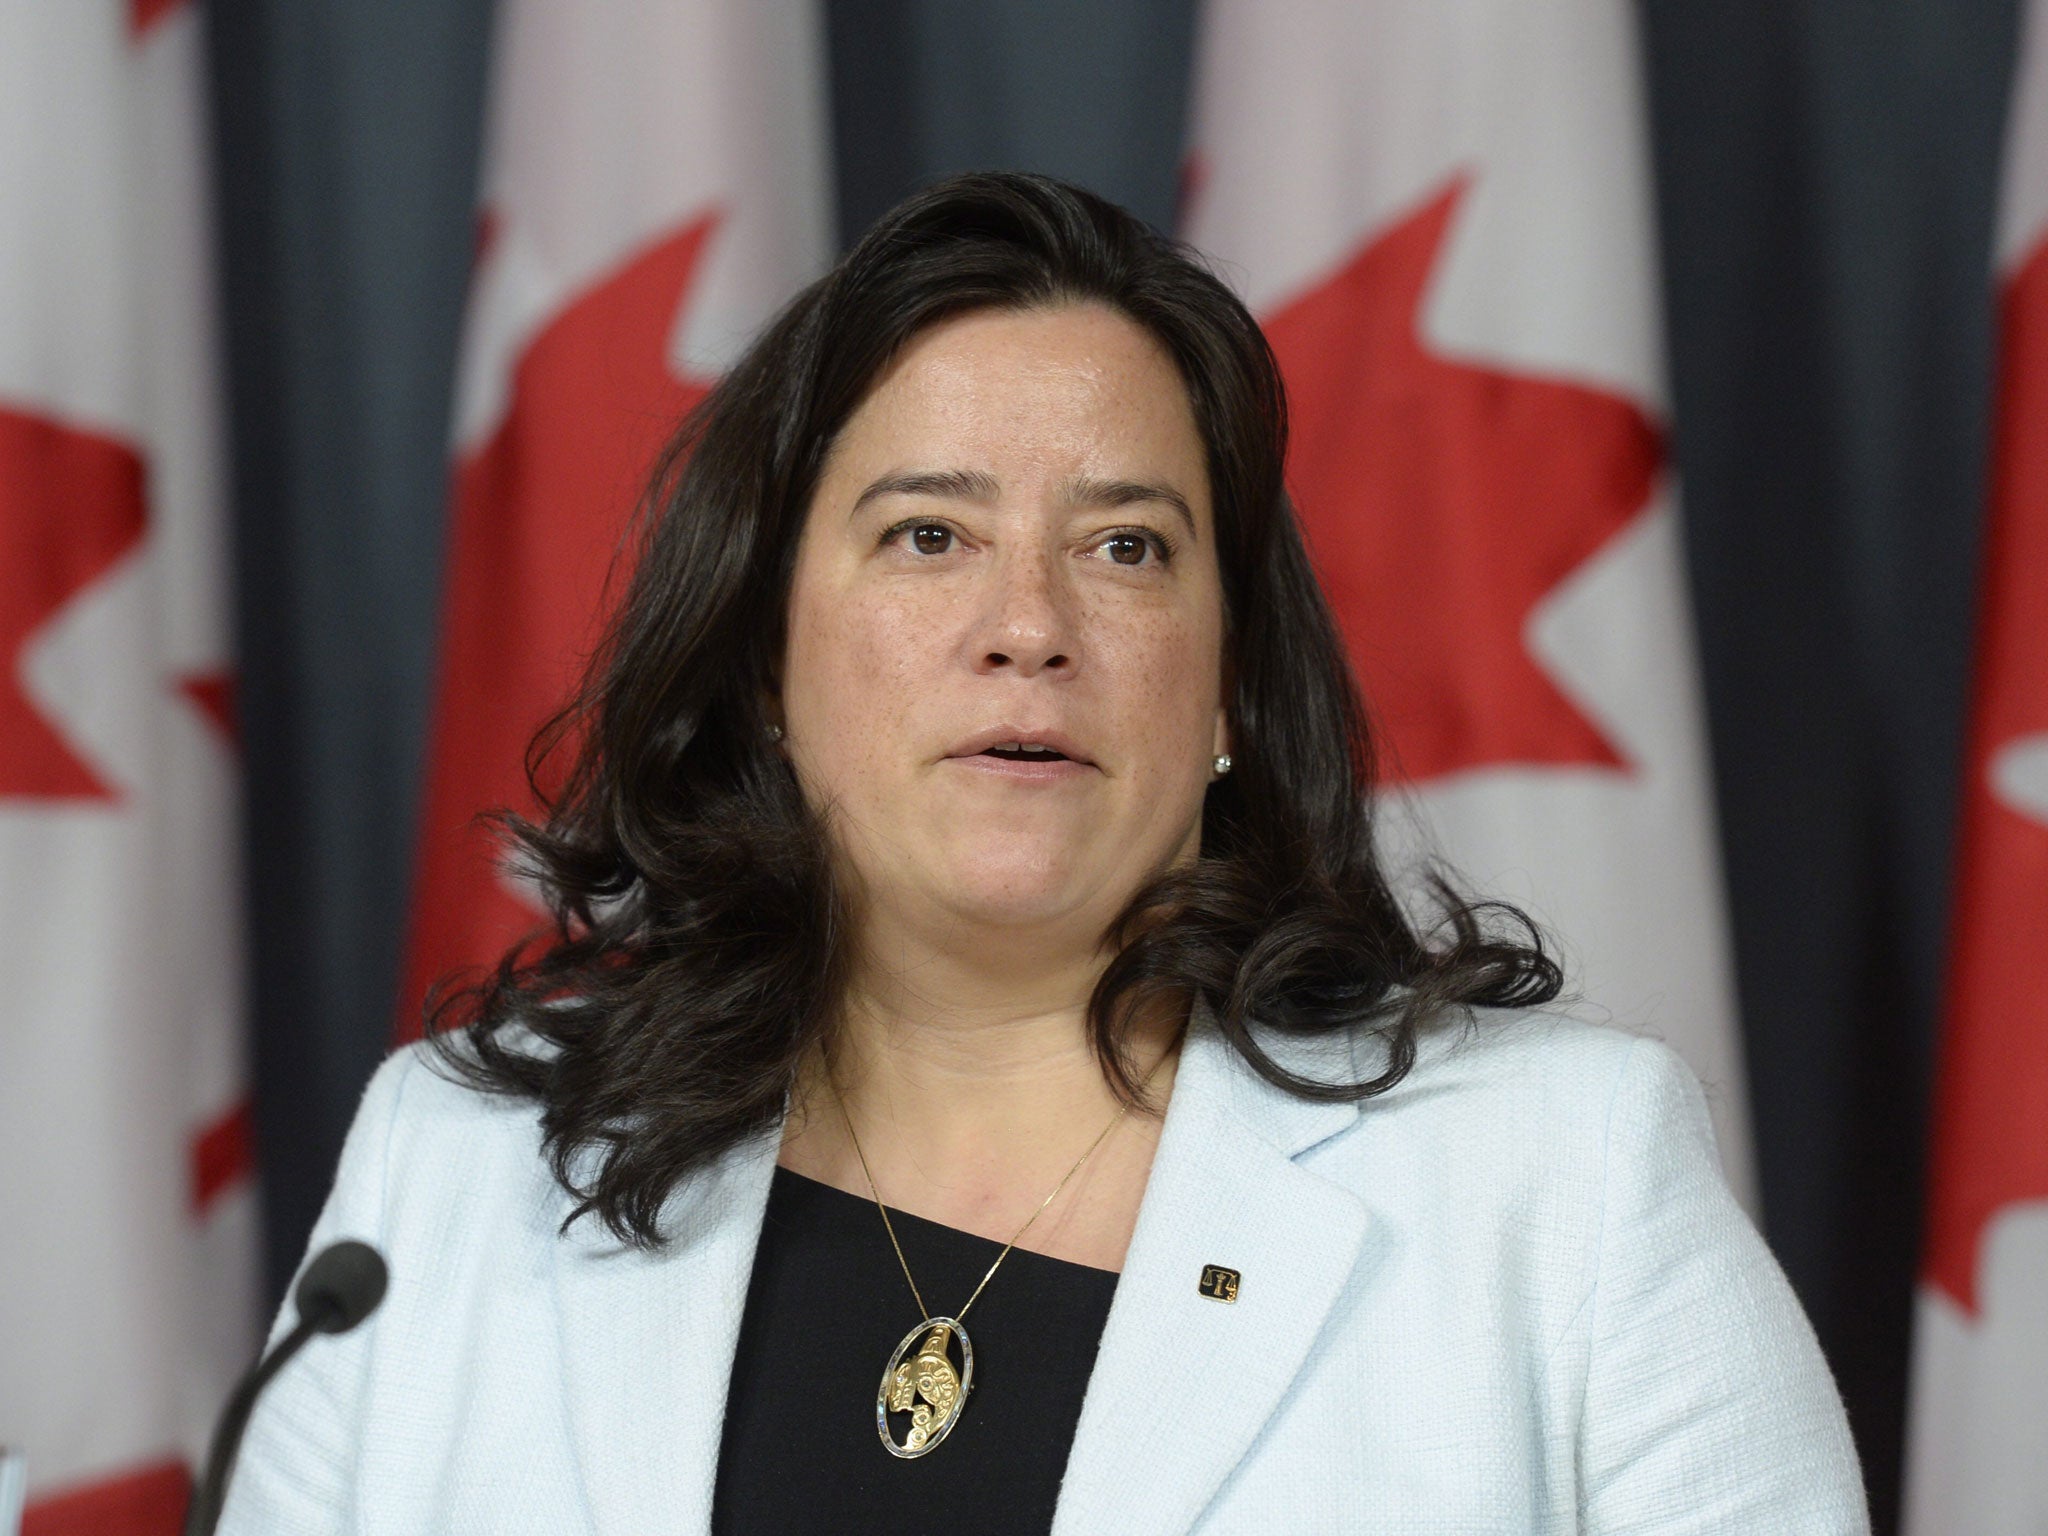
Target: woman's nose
[1029, 621]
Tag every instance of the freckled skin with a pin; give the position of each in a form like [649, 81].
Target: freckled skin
[1016, 601]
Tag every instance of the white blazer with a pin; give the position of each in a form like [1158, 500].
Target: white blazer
[1512, 1295]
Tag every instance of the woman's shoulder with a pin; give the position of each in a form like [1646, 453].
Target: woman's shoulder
[417, 1091]
[1553, 1042]
[1508, 1112]
[1597, 1101]
[1487, 1065]
[424, 1143]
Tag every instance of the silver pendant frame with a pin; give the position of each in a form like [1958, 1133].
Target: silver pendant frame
[945, 1425]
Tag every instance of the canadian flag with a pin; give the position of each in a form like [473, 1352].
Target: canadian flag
[1440, 214]
[655, 187]
[1978, 1447]
[127, 1253]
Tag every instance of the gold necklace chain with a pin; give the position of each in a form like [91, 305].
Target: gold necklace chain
[890, 1228]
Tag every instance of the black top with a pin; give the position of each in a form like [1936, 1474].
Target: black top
[826, 1307]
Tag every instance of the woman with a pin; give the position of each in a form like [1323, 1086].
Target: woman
[980, 1078]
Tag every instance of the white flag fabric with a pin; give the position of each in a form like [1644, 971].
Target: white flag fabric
[127, 1262]
[1977, 1459]
[1441, 216]
[655, 187]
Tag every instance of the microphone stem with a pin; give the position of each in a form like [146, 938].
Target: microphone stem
[211, 1495]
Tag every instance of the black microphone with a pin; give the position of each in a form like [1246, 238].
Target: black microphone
[340, 1288]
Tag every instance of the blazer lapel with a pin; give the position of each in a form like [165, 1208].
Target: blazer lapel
[648, 1342]
[1183, 1383]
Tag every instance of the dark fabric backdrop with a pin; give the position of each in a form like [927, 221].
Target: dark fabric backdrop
[1826, 175]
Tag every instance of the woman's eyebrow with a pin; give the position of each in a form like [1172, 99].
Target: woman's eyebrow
[978, 485]
[1086, 491]
[954, 484]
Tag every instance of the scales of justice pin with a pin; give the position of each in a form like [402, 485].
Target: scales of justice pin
[922, 1381]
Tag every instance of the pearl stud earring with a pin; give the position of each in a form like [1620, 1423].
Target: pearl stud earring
[774, 732]
[1222, 765]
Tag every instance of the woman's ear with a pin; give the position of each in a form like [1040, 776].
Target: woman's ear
[1220, 744]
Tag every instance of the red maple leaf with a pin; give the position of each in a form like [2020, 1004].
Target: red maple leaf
[221, 1153]
[148, 1500]
[538, 513]
[214, 694]
[71, 505]
[144, 14]
[1442, 502]
[1990, 1146]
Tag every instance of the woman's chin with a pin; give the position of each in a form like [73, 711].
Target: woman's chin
[1021, 897]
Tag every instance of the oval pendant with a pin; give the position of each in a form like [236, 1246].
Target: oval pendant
[923, 1388]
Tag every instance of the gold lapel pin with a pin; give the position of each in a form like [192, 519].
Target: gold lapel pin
[1218, 1283]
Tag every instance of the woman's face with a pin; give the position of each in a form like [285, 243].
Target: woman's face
[1011, 546]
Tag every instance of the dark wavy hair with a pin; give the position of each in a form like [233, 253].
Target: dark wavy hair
[699, 948]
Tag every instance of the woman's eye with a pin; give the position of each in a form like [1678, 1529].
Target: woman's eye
[1127, 548]
[931, 538]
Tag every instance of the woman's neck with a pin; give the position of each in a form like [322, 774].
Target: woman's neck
[973, 1088]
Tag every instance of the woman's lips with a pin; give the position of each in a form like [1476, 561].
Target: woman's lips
[1025, 770]
[1011, 738]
